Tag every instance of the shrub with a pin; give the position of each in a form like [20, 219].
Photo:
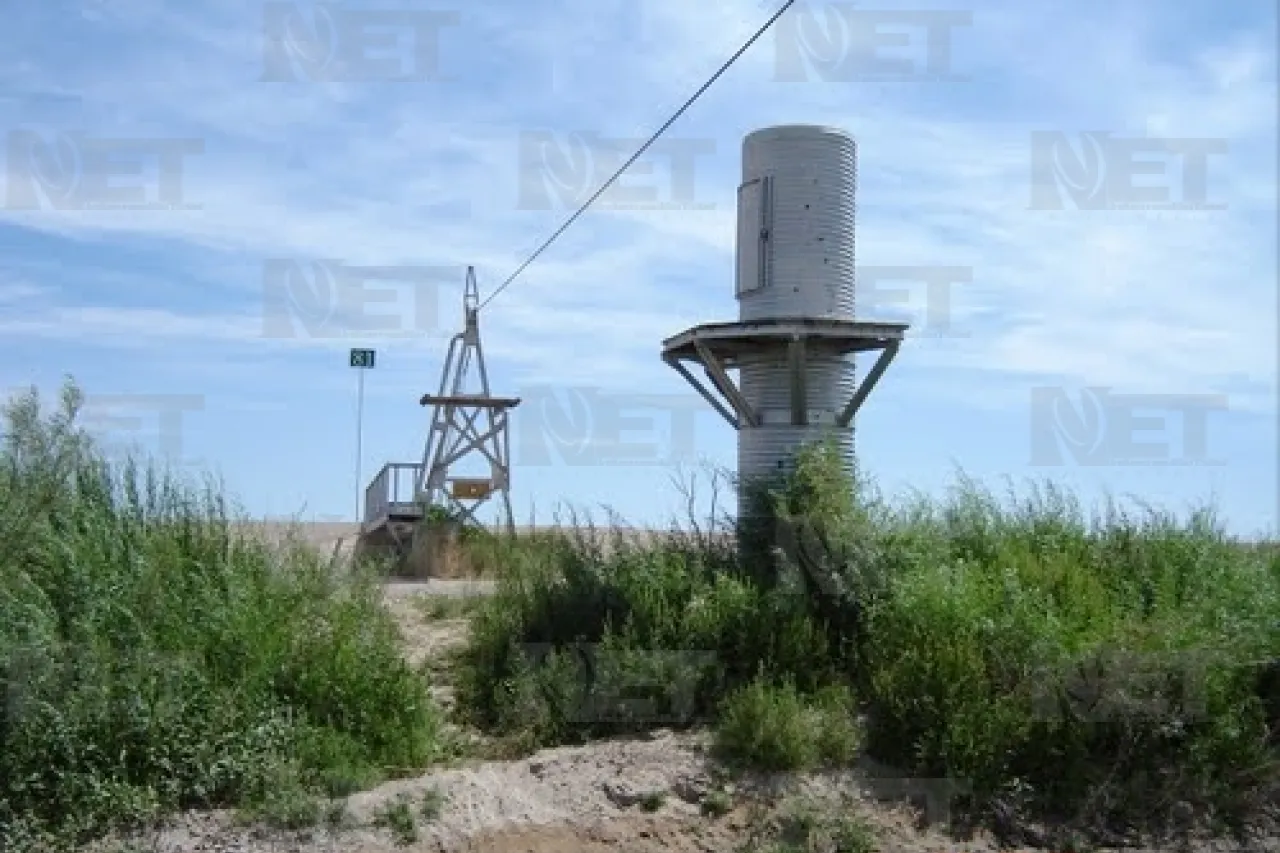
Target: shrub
[153, 658]
[1113, 668]
[775, 728]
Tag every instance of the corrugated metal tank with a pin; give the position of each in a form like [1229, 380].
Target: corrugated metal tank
[796, 241]
[799, 187]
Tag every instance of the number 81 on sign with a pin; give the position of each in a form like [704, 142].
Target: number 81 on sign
[362, 358]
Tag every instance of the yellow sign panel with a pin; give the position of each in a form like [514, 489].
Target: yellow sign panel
[470, 489]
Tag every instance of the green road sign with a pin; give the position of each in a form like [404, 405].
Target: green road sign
[362, 358]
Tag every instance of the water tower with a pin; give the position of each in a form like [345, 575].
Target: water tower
[794, 343]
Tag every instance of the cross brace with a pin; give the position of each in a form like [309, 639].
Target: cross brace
[735, 409]
[465, 423]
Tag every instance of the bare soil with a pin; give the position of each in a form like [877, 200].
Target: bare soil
[567, 800]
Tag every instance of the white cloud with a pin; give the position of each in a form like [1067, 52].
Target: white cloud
[429, 174]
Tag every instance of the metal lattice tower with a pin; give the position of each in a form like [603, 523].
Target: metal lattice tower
[467, 420]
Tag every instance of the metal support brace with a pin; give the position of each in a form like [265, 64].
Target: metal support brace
[716, 373]
[877, 370]
[702, 390]
[796, 358]
[793, 342]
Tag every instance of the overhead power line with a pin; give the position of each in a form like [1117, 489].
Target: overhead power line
[643, 148]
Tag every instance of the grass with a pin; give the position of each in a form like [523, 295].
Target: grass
[777, 729]
[433, 802]
[1111, 670]
[398, 817]
[152, 659]
[1100, 669]
[807, 827]
[448, 606]
[716, 804]
[401, 818]
[653, 801]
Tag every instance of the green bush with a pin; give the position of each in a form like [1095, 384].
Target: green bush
[972, 629]
[1108, 661]
[776, 728]
[611, 623]
[152, 658]
[470, 533]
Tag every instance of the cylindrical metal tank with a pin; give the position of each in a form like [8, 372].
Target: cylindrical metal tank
[796, 212]
[766, 385]
[796, 222]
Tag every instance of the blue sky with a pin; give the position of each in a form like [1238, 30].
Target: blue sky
[294, 154]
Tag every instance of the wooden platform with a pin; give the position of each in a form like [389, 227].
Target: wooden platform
[721, 347]
[729, 342]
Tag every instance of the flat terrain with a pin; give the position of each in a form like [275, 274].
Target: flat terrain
[321, 535]
[325, 535]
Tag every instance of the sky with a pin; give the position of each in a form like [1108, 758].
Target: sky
[206, 205]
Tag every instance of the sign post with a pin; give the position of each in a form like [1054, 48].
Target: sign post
[361, 360]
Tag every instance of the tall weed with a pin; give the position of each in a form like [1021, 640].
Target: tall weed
[1108, 667]
[153, 658]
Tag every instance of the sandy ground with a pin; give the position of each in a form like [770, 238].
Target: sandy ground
[588, 799]
[324, 535]
[568, 800]
[400, 592]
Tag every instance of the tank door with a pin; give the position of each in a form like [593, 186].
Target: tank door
[755, 210]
